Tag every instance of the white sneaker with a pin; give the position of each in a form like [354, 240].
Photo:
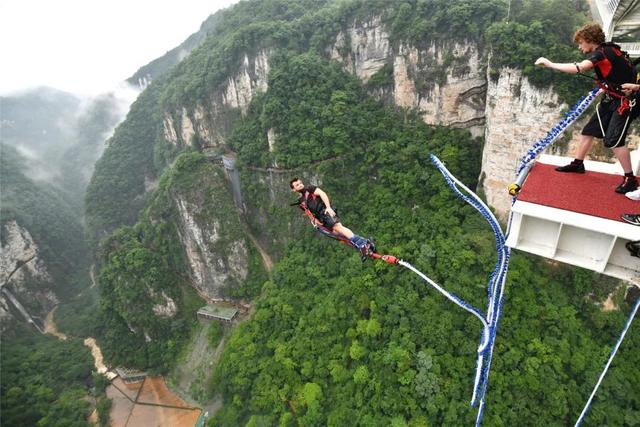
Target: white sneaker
[634, 195]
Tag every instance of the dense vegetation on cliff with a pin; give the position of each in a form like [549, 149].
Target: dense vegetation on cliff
[332, 341]
[46, 213]
[144, 266]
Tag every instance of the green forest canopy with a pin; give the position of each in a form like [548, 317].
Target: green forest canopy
[406, 357]
[333, 340]
[43, 381]
[138, 151]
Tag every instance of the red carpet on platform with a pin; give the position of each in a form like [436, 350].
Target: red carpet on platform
[591, 193]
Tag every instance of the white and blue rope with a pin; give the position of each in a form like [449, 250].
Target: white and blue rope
[471, 309]
[569, 118]
[611, 356]
[495, 290]
[497, 279]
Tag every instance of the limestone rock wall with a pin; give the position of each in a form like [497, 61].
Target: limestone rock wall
[20, 266]
[19, 256]
[445, 82]
[216, 258]
[517, 115]
[364, 48]
[211, 122]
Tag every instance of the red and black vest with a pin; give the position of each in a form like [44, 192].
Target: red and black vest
[311, 202]
[612, 66]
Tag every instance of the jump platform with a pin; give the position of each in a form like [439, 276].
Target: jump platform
[575, 218]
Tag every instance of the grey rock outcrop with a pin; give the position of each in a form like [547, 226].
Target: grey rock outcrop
[211, 122]
[517, 115]
[214, 261]
[20, 267]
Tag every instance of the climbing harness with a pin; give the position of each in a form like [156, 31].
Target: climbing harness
[366, 251]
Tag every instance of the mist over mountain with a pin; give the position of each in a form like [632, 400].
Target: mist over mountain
[189, 205]
[50, 141]
[145, 74]
[39, 124]
[61, 135]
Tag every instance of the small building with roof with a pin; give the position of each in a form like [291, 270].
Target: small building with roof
[130, 376]
[217, 312]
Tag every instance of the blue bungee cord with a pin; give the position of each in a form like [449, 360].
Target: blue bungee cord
[495, 291]
[471, 309]
[497, 279]
[606, 366]
[569, 118]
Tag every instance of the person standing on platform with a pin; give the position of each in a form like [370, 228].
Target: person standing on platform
[615, 111]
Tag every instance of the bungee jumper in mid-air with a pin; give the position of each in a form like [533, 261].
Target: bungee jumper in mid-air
[316, 205]
[614, 71]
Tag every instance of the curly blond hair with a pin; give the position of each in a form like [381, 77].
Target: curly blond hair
[591, 33]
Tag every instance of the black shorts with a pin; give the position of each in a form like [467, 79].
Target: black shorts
[608, 124]
[328, 220]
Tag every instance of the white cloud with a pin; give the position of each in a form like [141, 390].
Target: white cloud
[88, 47]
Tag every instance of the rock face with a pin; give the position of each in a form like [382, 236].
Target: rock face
[20, 267]
[19, 256]
[168, 309]
[211, 123]
[363, 49]
[216, 256]
[445, 83]
[517, 115]
[251, 77]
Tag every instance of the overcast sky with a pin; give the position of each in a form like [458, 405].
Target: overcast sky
[88, 47]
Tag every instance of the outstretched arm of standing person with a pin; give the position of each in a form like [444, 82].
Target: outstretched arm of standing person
[325, 200]
[570, 68]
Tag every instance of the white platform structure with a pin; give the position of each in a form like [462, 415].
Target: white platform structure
[574, 238]
[620, 20]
